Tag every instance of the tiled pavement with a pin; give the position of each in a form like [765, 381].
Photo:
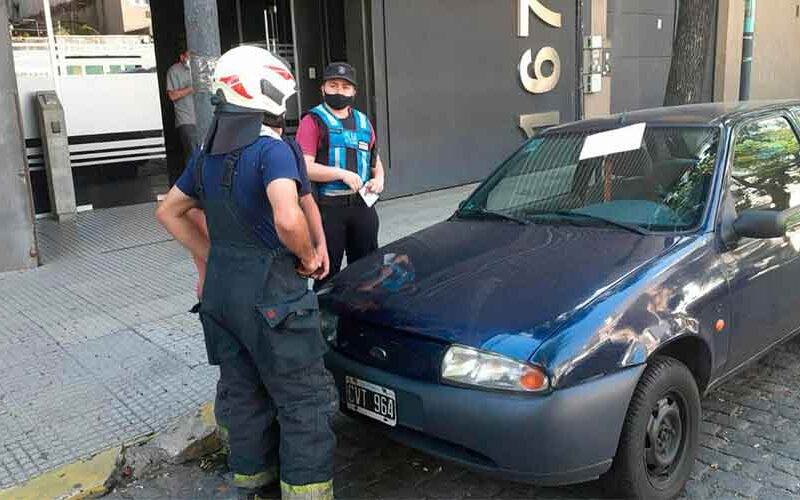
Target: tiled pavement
[82, 368]
[96, 346]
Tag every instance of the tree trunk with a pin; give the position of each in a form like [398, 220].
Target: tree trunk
[686, 73]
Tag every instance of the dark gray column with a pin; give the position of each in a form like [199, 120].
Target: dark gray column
[17, 239]
[748, 34]
[202, 38]
[308, 28]
[380, 87]
[358, 44]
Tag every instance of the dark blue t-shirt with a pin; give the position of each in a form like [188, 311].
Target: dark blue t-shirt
[260, 163]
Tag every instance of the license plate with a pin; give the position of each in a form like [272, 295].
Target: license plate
[371, 400]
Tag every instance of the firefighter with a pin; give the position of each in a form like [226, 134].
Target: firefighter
[260, 320]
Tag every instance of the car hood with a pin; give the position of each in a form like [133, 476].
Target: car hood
[494, 285]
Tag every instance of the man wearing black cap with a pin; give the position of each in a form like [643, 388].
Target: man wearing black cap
[338, 144]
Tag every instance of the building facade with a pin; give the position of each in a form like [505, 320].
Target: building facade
[452, 86]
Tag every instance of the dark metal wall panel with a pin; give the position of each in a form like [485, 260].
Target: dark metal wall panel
[638, 83]
[637, 34]
[641, 51]
[452, 85]
[309, 50]
[357, 51]
[378, 94]
[168, 34]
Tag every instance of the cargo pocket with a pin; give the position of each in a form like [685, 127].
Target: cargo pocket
[292, 330]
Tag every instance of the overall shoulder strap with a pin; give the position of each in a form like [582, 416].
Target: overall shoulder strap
[228, 169]
[295, 147]
[198, 176]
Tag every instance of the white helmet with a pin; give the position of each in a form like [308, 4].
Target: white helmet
[253, 78]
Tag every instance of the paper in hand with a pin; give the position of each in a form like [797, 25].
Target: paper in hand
[369, 197]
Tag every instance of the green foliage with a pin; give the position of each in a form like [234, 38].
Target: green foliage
[766, 163]
[687, 197]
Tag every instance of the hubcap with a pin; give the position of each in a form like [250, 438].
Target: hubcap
[665, 438]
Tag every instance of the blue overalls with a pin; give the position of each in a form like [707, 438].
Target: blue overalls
[261, 326]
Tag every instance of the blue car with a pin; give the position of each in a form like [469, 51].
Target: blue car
[563, 324]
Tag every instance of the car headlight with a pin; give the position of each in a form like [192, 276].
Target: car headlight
[329, 325]
[468, 366]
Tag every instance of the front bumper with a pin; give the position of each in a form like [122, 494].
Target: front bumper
[567, 436]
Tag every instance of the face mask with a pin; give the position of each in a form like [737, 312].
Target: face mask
[187, 62]
[339, 101]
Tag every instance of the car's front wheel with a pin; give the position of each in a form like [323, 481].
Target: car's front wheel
[659, 437]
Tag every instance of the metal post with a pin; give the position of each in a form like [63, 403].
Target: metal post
[747, 49]
[202, 37]
[239, 21]
[51, 42]
[266, 30]
[18, 248]
[274, 31]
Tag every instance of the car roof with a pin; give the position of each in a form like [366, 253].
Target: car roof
[710, 114]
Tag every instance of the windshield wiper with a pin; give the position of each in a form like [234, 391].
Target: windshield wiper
[609, 222]
[484, 213]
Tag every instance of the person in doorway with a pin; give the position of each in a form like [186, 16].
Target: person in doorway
[179, 91]
[260, 320]
[338, 144]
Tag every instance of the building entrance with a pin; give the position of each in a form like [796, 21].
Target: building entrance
[99, 57]
[309, 34]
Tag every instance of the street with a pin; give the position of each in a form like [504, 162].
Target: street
[750, 448]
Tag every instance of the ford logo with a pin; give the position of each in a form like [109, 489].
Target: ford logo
[379, 353]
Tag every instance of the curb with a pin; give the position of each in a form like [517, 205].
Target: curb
[187, 438]
[75, 481]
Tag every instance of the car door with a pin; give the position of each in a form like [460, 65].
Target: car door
[764, 273]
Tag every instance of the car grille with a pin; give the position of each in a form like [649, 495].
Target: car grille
[391, 350]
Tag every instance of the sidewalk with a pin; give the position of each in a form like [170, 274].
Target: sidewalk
[96, 346]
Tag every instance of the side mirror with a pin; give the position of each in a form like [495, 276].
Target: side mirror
[760, 224]
[461, 204]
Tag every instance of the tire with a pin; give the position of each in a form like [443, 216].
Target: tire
[659, 438]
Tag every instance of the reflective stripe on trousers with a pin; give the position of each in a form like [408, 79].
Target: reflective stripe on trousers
[317, 491]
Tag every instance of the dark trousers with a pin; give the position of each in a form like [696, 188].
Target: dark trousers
[350, 226]
[257, 399]
[188, 137]
[261, 327]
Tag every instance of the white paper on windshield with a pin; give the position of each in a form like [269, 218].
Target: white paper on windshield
[613, 141]
[369, 198]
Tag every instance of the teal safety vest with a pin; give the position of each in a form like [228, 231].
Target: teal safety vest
[340, 140]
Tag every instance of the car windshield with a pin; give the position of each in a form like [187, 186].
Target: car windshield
[662, 186]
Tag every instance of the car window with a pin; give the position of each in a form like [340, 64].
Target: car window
[662, 186]
[766, 166]
[550, 181]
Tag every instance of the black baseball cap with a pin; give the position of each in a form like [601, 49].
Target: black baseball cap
[340, 71]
